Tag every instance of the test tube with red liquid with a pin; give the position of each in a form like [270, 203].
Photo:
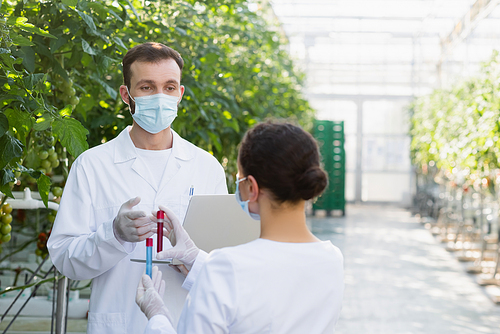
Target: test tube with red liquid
[160, 215]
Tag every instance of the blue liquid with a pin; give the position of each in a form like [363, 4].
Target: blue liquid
[149, 261]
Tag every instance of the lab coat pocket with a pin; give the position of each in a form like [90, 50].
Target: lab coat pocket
[109, 323]
[183, 207]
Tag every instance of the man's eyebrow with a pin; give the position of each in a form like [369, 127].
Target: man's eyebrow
[172, 81]
[143, 81]
[152, 82]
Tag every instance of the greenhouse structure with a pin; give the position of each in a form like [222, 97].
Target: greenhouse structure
[112, 110]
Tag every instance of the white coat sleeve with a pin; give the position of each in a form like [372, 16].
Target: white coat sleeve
[195, 270]
[78, 248]
[211, 304]
[159, 324]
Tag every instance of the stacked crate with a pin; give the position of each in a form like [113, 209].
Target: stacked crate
[330, 137]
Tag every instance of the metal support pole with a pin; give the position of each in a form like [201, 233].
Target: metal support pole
[359, 152]
[62, 305]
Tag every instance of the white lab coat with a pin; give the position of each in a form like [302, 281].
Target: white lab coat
[82, 244]
[263, 287]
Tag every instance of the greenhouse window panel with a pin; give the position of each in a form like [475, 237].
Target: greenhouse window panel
[378, 90]
[372, 8]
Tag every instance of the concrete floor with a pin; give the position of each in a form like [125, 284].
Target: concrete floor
[25, 325]
[400, 279]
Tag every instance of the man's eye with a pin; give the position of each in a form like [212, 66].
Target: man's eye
[145, 88]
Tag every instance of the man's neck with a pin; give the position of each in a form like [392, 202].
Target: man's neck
[147, 141]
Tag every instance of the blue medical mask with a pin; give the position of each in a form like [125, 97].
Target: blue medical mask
[154, 113]
[244, 204]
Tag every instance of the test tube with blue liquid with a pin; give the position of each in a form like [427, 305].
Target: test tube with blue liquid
[149, 256]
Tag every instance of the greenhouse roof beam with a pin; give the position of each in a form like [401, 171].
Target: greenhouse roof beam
[378, 18]
[385, 82]
[358, 97]
[478, 11]
[332, 35]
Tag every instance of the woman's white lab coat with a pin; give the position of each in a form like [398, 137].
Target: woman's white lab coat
[263, 287]
[82, 244]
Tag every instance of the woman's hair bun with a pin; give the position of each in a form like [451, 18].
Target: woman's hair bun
[311, 183]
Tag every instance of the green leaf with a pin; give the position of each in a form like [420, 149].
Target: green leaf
[21, 23]
[215, 140]
[28, 58]
[57, 68]
[110, 90]
[4, 124]
[211, 58]
[13, 20]
[66, 111]
[71, 134]
[119, 42]
[115, 15]
[134, 10]
[43, 123]
[31, 172]
[181, 31]
[8, 61]
[70, 2]
[87, 48]
[87, 19]
[32, 80]
[55, 44]
[10, 148]
[6, 176]
[21, 121]
[44, 183]
[21, 41]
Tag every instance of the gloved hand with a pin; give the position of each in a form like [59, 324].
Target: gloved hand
[183, 248]
[130, 225]
[149, 295]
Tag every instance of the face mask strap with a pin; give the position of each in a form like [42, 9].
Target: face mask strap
[129, 94]
[240, 180]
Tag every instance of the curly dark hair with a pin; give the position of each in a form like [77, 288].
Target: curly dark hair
[284, 159]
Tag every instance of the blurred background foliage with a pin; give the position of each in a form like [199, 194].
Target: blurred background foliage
[61, 62]
[60, 72]
[455, 131]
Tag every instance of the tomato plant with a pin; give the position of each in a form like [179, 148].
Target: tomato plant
[457, 130]
[60, 72]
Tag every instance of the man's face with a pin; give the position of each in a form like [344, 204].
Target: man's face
[153, 78]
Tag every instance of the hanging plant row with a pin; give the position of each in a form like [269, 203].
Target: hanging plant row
[456, 132]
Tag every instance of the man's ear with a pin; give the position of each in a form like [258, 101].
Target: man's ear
[124, 94]
[182, 94]
[253, 189]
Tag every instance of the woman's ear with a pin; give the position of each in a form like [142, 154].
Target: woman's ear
[253, 189]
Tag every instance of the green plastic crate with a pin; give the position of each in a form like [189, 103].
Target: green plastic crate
[330, 138]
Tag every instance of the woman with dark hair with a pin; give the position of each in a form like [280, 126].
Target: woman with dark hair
[287, 281]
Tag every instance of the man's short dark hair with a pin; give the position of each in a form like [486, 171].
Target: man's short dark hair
[149, 52]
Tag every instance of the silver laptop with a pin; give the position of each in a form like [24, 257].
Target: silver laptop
[216, 221]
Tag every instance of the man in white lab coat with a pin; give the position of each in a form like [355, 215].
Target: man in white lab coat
[111, 189]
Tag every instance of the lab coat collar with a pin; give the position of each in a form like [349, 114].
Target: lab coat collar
[181, 148]
[125, 148]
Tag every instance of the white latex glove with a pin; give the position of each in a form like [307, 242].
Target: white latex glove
[149, 295]
[130, 225]
[183, 248]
